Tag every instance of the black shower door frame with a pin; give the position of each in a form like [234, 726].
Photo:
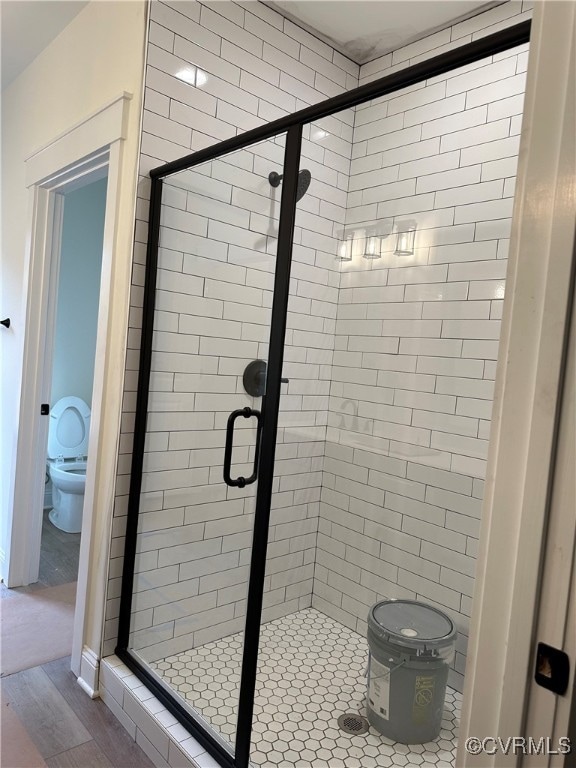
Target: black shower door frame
[291, 125]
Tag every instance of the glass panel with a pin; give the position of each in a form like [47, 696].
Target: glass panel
[212, 319]
[396, 297]
[290, 687]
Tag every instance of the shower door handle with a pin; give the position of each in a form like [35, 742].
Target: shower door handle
[240, 482]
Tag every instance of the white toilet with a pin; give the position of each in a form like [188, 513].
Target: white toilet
[67, 454]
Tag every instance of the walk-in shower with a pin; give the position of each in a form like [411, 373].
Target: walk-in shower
[314, 398]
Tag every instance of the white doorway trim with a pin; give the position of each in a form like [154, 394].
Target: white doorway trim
[71, 160]
[549, 715]
[517, 514]
[48, 208]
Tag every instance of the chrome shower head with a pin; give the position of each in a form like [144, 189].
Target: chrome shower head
[304, 179]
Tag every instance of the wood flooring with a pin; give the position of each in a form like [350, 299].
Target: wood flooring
[47, 719]
[38, 619]
[59, 555]
[67, 728]
[37, 626]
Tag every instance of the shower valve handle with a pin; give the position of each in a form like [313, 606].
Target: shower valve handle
[241, 482]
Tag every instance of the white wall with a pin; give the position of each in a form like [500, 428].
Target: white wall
[97, 57]
[78, 292]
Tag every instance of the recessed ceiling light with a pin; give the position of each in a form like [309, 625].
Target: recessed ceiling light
[201, 78]
[319, 134]
[192, 76]
[188, 74]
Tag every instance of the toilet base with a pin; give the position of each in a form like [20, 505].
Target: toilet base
[67, 512]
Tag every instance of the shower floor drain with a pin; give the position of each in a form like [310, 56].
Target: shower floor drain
[353, 723]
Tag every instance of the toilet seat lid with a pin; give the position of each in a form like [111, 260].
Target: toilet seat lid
[69, 429]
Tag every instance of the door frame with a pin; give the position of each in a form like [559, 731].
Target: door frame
[70, 160]
[549, 715]
[518, 513]
[43, 296]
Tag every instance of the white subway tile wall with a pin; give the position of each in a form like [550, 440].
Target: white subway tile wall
[384, 423]
[214, 71]
[416, 338]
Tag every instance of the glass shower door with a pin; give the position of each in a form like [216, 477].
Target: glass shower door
[218, 237]
[295, 678]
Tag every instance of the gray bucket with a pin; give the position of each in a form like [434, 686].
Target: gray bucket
[411, 648]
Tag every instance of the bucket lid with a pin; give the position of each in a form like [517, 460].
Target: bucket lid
[411, 624]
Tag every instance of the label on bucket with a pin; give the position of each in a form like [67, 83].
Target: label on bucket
[379, 689]
[422, 707]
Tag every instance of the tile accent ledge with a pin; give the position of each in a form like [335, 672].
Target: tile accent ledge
[148, 722]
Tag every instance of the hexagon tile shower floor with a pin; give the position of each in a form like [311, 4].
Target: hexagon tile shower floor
[311, 670]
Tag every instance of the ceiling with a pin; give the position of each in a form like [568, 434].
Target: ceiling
[360, 29]
[366, 29]
[28, 26]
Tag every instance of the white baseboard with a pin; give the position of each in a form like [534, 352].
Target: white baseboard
[88, 679]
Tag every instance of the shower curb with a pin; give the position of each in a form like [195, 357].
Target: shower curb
[147, 721]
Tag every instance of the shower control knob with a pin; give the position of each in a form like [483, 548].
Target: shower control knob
[254, 378]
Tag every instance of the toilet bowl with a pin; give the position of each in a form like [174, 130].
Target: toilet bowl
[67, 449]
